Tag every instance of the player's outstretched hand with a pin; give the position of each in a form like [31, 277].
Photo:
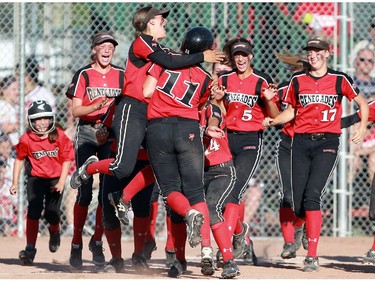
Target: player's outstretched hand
[214, 132]
[217, 92]
[267, 122]
[213, 56]
[58, 188]
[358, 135]
[270, 92]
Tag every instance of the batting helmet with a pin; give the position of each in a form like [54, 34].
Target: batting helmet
[40, 109]
[197, 39]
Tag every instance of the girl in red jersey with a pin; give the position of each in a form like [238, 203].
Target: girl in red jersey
[49, 152]
[248, 95]
[314, 102]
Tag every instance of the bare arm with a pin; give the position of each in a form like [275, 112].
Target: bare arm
[359, 133]
[16, 174]
[287, 115]
[79, 110]
[149, 86]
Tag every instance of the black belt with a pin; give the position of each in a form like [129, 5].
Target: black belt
[92, 124]
[319, 136]
[222, 165]
[170, 120]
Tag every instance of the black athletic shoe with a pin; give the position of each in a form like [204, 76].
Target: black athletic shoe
[194, 221]
[54, 242]
[170, 257]
[114, 266]
[305, 240]
[311, 264]
[289, 251]
[75, 259]
[27, 256]
[239, 241]
[121, 208]
[370, 257]
[177, 268]
[149, 247]
[298, 233]
[230, 270]
[249, 255]
[80, 175]
[96, 248]
[139, 262]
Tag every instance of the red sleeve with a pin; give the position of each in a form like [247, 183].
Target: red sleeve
[22, 147]
[155, 71]
[66, 147]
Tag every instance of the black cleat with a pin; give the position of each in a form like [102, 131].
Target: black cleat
[230, 270]
[27, 256]
[75, 259]
[121, 208]
[54, 242]
[311, 264]
[289, 251]
[96, 248]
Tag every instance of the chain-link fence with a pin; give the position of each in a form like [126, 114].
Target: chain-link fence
[58, 35]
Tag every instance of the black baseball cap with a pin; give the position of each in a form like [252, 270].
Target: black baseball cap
[102, 37]
[241, 47]
[317, 43]
[154, 12]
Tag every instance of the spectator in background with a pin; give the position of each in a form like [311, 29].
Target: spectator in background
[9, 109]
[364, 64]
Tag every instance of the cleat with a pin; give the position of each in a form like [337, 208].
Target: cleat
[96, 248]
[115, 265]
[75, 259]
[207, 261]
[230, 270]
[139, 262]
[80, 175]
[289, 251]
[311, 264]
[305, 239]
[54, 242]
[149, 247]
[194, 221]
[177, 268]
[27, 256]
[219, 260]
[170, 257]
[249, 254]
[370, 257]
[239, 241]
[121, 208]
[298, 233]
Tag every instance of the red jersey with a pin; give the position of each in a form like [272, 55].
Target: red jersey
[318, 101]
[46, 158]
[244, 100]
[142, 53]
[288, 127]
[179, 92]
[91, 86]
[217, 150]
[371, 116]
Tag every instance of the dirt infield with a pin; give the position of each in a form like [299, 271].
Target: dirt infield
[340, 258]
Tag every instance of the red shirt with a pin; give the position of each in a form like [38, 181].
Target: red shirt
[91, 86]
[244, 101]
[217, 150]
[318, 101]
[288, 127]
[179, 92]
[46, 158]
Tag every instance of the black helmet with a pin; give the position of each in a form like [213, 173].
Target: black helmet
[197, 39]
[38, 109]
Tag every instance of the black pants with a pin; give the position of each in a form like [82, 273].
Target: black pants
[283, 165]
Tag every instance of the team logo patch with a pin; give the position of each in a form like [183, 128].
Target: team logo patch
[191, 137]
[249, 147]
[307, 99]
[333, 151]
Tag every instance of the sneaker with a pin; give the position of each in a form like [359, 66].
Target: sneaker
[27, 256]
[230, 270]
[289, 251]
[96, 248]
[311, 264]
[194, 221]
[298, 233]
[370, 257]
[54, 242]
[80, 175]
[139, 261]
[207, 261]
[170, 257]
[177, 268]
[149, 247]
[219, 259]
[249, 254]
[75, 259]
[121, 208]
[115, 265]
[239, 241]
[305, 239]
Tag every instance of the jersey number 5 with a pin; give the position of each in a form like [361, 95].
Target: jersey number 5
[247, 115]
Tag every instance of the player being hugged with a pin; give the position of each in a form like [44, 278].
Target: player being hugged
[314, 99]
[50, 153]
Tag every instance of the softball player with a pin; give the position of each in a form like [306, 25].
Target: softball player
[248, 95]
[49, 152]
[314, 101]
[92, 90]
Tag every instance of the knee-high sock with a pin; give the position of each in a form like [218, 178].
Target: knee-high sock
[178, 203]
[101, 167]
[169, 245]
[287, 217]
[241, 215]
[223, 240]
[298, 222]
[114, 241]
[152, 224]
[142, 179]
[54, 228]
[140, 226]
[231, 217]
[32, 228]
[179, 239]
[80, 215]
[373, 244]
[98, 232]
[205, 228]
[313, 226]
